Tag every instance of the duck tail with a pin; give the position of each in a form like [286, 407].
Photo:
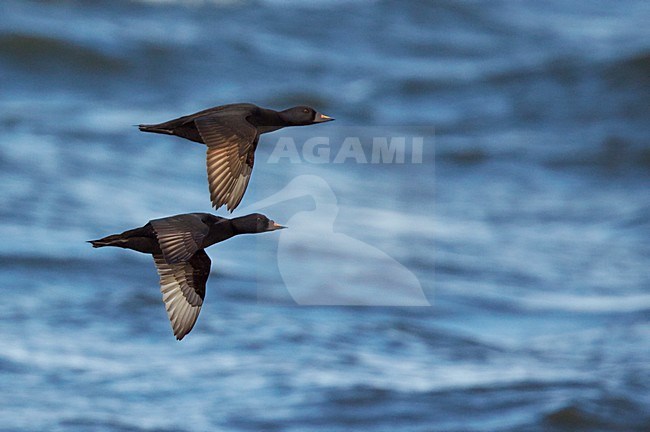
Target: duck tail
[111, 240]
[158, 128]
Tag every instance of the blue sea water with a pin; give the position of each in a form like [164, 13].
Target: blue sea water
[526, 225]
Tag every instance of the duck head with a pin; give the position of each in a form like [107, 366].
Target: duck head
[303, 116]
[255, 223]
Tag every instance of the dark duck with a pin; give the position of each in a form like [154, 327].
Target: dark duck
[178, 244]
[231, 133]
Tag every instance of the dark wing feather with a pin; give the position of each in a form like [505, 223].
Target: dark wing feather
[183, 289]
[180, 237]
[231, 142]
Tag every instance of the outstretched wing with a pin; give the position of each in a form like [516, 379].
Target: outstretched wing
[231, 142]
[180, 237]
[183, 289]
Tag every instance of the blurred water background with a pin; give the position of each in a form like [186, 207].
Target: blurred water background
[526, 224]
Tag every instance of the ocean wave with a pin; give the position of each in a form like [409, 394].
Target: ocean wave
[33, 51]
[227, 3]
[612, 156]
[632, 70]
[588, 303]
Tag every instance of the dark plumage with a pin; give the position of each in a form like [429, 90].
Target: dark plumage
[177, 244]
[231, 133]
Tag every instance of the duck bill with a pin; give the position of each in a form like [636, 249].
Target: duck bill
[274, 226]
[322, 118]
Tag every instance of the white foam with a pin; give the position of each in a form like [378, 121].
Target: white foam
[587, 303]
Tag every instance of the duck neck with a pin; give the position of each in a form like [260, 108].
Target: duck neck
[220, 232]
[268, 121]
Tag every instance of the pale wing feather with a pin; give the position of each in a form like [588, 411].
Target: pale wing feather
[183, 289]
[230, 156]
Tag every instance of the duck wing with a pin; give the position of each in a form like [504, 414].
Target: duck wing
[231, 142]
[183, 289]
[180, 236]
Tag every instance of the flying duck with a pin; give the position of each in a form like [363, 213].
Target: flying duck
[231, 133]
[178, 244]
